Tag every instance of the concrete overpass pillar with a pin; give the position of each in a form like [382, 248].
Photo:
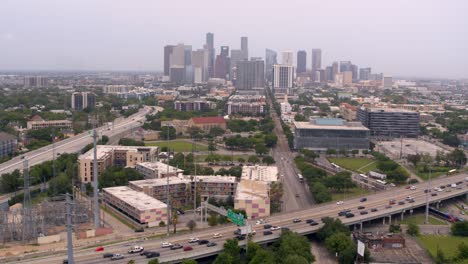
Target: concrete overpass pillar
[402, 214]
[383, 220]
[438, 204]
[361, 227]
[390, 219]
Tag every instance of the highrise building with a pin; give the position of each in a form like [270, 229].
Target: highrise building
[387, 82]
[364, 74]
[222, 63]
[301, 61]
[82, 100]
[211, 53]
[245, 47]
[354, 70]
[345, 66]
[287, 58]
[250, 74]
[200, 62]
[270, 60]
[329, 73]
[188, 64]
[283, 76]
[336, 69]
[167, 63]
[236, 56]
[35, 81]
[177, 69]
[316, 61]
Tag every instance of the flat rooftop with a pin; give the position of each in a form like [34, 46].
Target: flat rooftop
[103, 150]
[251, 190]
[388, 110]
[217, 179]
[159, 166]
[160, 182]
[137, 200]
[344, 126]
[260, 173]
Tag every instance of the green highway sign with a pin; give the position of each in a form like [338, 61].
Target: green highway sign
[237, 219]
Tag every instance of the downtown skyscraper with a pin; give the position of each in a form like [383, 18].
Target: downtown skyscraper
[301, 62]
[250, 74]
[316, 61]
[211, 53]
[270, 60]
[245, 47]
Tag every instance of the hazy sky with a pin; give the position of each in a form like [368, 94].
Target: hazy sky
[422, 38]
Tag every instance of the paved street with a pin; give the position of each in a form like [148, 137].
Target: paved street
[76, 143]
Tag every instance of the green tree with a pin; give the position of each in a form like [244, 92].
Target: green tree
[191, 225]
[212, 220]
[223, 258]
[331, 152]
[457, 158]
[460, 228]
[462, 251]
[393, 228]
[348, 255]
[331, 226]
[10, 182]
[252, 249]
[413, 229]
[261, 149]
[131, 261]
[270, 140]
[241, 160]
[216, 132]
[296, 259]
[167, 129]
[294, 244]
[211, 146]
[162, 223]
[337, 242]
[189, 261]
[340, 181]
[253, 159]
[268, 160]
[153, 261]
[231, 247]
[440, 256]
[263, 257]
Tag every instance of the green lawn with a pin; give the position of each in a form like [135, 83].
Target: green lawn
[360, 165]
[339, 196]
[420, 218]
[448, 244]
[436, 172]
[178, 145]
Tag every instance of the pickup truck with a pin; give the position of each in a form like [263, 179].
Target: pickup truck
[136, 249]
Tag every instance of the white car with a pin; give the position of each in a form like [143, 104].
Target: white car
[260, 222]
[166, 244]
[412, 188]
[439, 189]
[339, 202]
[273, 228]
[193, 240]
[136, 249]
[117, 257]
[217, 235]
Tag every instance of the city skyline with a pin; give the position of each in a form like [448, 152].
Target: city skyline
[131, 38]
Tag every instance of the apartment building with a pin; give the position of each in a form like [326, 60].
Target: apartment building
[256, 108]
[217, 186]
[253, 197]
[120, 156]
[138, 206]
[179, 189]
[266, 174]
[157, 170]
[193, 105]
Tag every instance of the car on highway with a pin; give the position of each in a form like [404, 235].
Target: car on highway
[296, 220]
[363, 200]
[409, 198]
[412, 188]
[99, 249]
[349, 215]
[240, 237]
[308, 221]
[361, 207]
[297, 195]
[267, 232]
[267, 226]
[374, 210]
[344, 212]
[433, 194]
[211, 244]
[260, 222]
[313, 223]
[339, 202]
[401, 202]
[176, 246]
[427, 191]
[217, 235]
[274, 228]
[388, 206]
[166, 244]
[392, 201]
[108, 255]
[363, 212]
[188, 248]
[193, 240]
[136, 249]
[117, 257]
[203, 242]
[152, 254]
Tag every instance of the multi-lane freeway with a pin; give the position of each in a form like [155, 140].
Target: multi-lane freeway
[377, 201]
[76, 143]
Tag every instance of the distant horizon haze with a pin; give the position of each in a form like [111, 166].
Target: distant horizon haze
[426, 39]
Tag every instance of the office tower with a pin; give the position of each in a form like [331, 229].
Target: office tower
[287, 58]
[35, 81]
[245, 47]
[177, 70]
[211, 53]
[336, 69]
[387, 82]
[236, 56]
[301, 61]
[389, 122]
[354, 70]
[319, 76]
[188, 64]
[82, 100]
[345, 66]
[270, 60]
[347, 77]
[222, 63]
[283, 76]
[167, 63]
[200, 62]
[329, 73]
[250, 74]
[316, 60]
[364, 74]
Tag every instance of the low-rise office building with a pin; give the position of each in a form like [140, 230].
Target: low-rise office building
[138, 206]
[40, 124]
[389, 122]
[330, 133]
[156, 170]
[119, 156]
[266, 174]
[253, 197]
[8, 144]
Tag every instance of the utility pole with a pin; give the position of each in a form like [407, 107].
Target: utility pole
[195, 184]
[95, 183]
[53, 164]
[68, 204]
[426, 221]
[168, 202]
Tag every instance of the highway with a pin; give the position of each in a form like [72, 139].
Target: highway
[76, 143]
[296, 195]
[378, 201]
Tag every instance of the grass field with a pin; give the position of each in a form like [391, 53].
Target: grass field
[448, 244]
[436, 172]
[420, 218]
[178, 145]
[349, 194]
[360, 165]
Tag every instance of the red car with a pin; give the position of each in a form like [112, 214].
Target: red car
[188, 248]
[99, 249]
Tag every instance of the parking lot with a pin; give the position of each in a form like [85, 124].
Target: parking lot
[407, 147]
